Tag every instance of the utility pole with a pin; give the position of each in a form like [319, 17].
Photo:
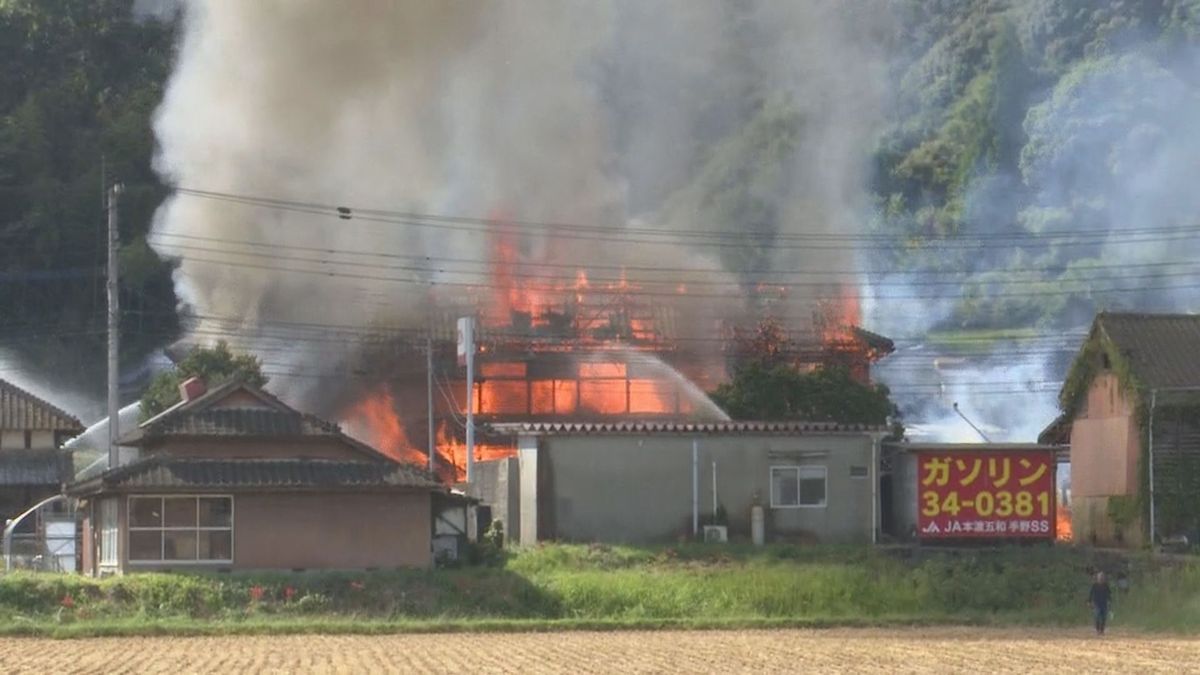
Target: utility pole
[466, 356]
[1150, 462]
[114, 330]
[470, 400]
[429, 401]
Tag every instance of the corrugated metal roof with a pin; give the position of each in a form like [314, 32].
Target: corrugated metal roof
[1162, 349]
[171, 473]
[596, 428]
[20, 409]
[34, 467]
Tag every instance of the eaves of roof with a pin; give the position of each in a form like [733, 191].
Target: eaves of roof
[681, 428]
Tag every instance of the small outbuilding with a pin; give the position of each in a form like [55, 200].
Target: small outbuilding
[235, 479]
[632, 482]
[1129, 414]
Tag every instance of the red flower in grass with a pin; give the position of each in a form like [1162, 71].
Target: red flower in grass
[68, 601]
[289, 593]
[357, 585]
[256, 593]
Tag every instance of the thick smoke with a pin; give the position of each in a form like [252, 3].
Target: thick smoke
[1110, 154]
[691, 115]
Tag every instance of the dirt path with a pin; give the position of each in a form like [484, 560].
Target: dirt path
[915, 650]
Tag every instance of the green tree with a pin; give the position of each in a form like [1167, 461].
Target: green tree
[760, 391]
[79, 81]
[216, 365]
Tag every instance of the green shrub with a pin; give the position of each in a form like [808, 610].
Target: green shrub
[691, 582]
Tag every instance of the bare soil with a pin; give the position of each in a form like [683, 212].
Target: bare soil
[848, 650]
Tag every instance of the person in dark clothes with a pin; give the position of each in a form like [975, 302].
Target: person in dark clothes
[1098, 598]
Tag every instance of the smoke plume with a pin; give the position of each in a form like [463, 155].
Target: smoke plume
[684, 115]
[1107, 160]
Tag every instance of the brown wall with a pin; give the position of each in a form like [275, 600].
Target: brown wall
[332, 530]
[15, 439]
[238, 448]
[241, 399]
[87, 554]
[318, 530]
[1104, 442]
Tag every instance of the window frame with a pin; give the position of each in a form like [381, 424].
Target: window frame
[800, 470]
[109, 531]
[163, 529]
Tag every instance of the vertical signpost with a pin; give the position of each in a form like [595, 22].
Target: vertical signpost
[985, 494]
[466, 356]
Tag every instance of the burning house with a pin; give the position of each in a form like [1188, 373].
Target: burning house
[558, 348]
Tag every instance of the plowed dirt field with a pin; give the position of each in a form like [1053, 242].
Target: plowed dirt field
[908, 650]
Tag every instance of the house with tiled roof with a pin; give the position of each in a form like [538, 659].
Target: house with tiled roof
[33, 465]
[1131, 416]
[235, 479]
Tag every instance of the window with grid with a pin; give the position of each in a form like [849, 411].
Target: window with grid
[798, 486]
[182, 529]
[108, 528]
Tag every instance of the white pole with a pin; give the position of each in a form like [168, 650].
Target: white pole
[114, 329]
[470, 340]
[714, 492]
[1150, 461]
[695, 487]
[432, 448]
[875, 488]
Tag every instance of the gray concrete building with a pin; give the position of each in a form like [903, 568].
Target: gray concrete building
[632, 482]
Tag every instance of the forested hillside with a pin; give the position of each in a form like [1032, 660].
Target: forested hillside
[1021, 120]
[1029, 120]
[79, 81]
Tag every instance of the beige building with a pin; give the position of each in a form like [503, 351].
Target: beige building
[33, 465]
[234, 479]
[1131, 370]
[630, 482]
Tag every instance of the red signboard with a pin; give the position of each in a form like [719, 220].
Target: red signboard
[985, 494]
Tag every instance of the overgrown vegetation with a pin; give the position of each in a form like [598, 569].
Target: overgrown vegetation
[216, 365]
[601, 586]
[764, 392]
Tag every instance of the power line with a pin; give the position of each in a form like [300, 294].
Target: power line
[563, 280]
[347, 212]
[666, 237]
[712, 296]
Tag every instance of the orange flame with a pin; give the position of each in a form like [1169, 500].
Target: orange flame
[840, 316]
[452, 453]
[374, 421]
[1062, 527]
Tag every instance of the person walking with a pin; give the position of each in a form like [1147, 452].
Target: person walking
[1098, 598]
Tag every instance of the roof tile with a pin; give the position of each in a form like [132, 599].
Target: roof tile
[34, 467]
[1162, 349]
[165, 472]
[20, 409]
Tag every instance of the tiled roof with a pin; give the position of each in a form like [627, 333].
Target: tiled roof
[34, 467]
[242, 422]
[875, 340]
[198, 418]
[1163, 350]
[171, 473]
[685, 428]
[20, 409]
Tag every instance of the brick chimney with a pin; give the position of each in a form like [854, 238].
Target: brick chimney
[192, 388]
